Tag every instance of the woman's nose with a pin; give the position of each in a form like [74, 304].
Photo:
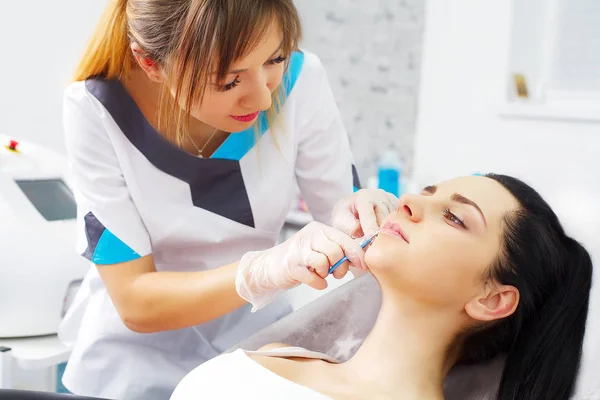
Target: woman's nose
[259, 97]
[411, 207]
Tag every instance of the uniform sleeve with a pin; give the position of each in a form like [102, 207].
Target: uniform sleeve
[110, 229]
[324, 166]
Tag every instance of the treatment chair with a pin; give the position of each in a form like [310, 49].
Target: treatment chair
[11, 394]
[337, 323]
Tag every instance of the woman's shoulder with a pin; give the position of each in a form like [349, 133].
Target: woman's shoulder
[311, 60]
[308, 80]
[236, 375]
[78, 101]
[92, 93]
[82, 115]
[75, 94]
[213, 377]
[242, 374]
[310, 66]
[215, 367]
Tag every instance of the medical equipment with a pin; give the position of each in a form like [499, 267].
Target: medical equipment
[39, 395]
[344, 259]
[328, 324]
[39, 270]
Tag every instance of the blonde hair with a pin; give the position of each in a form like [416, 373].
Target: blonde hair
[189, 39]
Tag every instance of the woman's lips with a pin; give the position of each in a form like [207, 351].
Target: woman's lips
[394, 229]
[245, 118]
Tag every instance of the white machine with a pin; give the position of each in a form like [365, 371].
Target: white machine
[39, 269]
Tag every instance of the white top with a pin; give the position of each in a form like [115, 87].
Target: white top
[237, 376]
[138, 194]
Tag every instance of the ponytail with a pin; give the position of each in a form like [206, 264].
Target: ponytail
[107, 54]
[543, 362]
[543, 339]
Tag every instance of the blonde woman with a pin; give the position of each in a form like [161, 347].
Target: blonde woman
[186, 125]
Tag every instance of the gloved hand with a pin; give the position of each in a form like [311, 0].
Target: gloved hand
[304, 258]
[360, 214]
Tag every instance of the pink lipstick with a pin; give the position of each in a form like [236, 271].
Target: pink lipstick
[245, 118]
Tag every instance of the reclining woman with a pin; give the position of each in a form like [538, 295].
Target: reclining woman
[472, 268]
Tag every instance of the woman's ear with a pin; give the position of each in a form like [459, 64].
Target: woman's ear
[499, 301]
[147, 64]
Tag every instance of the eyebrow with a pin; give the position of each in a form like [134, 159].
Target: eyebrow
[463, 200]
[459, 198]
[430, 189]
[239, 71]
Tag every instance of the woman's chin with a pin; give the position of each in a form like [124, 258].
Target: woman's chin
[378, 257]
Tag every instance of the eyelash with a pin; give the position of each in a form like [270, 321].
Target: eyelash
[277, 60]
[233, 84]
[237, 81]
[453, 218]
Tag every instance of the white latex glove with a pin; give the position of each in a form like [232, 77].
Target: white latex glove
[360, 214]
[304, 258]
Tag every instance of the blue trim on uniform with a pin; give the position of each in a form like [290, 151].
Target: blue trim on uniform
[104, 247]
[239, 144]
[293, 72]
[111, 250]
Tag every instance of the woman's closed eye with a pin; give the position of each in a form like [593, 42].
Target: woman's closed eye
[232, 84]
[277, 60]
[237, 80]
[450, 216]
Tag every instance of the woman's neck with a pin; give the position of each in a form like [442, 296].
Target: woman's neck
[144, 92]
[407, 351]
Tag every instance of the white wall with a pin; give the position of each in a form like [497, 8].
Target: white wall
[466, 50]
[459, 130]
[372, 53]
[41, 42]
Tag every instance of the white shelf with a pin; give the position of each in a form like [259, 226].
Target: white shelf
[37, 352]
[550, 112]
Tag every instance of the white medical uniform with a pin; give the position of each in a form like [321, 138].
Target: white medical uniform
[138, 194]
[237, 376]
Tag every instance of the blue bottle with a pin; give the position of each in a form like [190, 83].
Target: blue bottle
[389, 173]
